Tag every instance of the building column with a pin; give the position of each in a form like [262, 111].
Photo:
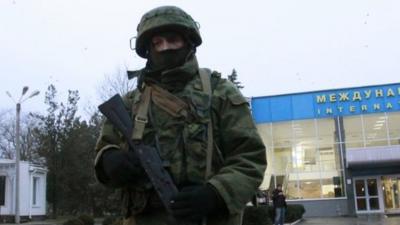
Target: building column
[348, 177]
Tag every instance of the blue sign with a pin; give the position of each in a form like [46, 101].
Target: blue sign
[330, 103]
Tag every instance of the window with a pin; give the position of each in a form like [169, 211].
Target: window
[394, 127]
[35, 190]
[330, 160]
[306, 157]
[332, 185]
[265, 132]
[304, 130]
[304, 154]
[283, 160]
[353, 129]
[2, 190]
[326, 132]
[310, 188]
[282, 134]
[375, 130]
[328, 145]
[292, 191]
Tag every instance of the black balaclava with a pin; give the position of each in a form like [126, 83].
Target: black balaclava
[168, 59]
[165, 68]
[171, 58]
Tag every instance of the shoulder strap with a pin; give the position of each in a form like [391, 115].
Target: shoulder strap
[141, 116]
[205, 76]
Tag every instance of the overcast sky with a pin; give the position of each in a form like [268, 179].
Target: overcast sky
[277, 47]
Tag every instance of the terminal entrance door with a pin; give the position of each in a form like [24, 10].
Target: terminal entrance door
[391, 193]
[368, 195]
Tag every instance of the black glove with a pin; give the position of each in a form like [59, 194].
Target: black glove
[194, 203]
[121, 167]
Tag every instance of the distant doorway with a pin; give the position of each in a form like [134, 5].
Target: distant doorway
[368, 195]
[391, 193]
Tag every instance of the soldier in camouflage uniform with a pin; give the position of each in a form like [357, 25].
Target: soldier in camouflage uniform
[167, 38]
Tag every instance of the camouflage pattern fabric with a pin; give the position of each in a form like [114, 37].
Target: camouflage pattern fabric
[163, 18]
[239, 155]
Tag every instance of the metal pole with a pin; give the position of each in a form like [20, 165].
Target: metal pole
[17, 159]
[18, 146]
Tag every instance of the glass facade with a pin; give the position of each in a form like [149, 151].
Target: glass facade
[394, 128]
[372, 130]
[340, 145]
[305, 156]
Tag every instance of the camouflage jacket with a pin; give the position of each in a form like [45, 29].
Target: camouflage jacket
[239, 155]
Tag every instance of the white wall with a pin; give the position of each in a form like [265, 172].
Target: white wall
[40, 207]
[27, 173]
[8, 170]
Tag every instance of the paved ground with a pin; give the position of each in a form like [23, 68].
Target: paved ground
[59, 221]
[364, 220]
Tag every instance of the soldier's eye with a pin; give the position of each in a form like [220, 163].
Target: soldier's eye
[174, 38]
[156, 40]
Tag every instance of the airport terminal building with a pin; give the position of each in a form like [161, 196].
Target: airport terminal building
[337, 152]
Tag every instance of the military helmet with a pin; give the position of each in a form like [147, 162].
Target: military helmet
[165, 18]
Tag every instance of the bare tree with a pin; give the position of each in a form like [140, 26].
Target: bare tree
[8, 139]
[116, 83]
[7, 136]
[29, 143]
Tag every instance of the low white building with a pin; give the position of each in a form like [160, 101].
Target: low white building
[32, 190]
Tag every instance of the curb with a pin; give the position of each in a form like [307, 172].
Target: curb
[295, 222]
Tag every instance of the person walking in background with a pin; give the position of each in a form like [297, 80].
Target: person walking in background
[279, 204]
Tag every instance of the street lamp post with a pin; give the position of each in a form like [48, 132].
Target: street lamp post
[17, 160]
[17, 145]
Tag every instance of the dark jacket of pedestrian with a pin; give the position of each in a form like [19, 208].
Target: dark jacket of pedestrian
[278, 199]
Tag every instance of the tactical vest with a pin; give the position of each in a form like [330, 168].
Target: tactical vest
[180, 127]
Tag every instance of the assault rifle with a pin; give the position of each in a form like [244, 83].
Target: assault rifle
[114, 110]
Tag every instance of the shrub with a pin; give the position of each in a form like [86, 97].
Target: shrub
[74, 221]
[86, 219]
[256, 215]
[294, 212]
[117, 221]
[109, 220]
[112, 220]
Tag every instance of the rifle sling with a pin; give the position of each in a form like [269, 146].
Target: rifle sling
[141, 116]
[205, 76]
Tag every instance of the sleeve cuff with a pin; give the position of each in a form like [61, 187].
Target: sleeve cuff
[98, 168]
[219, 187]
